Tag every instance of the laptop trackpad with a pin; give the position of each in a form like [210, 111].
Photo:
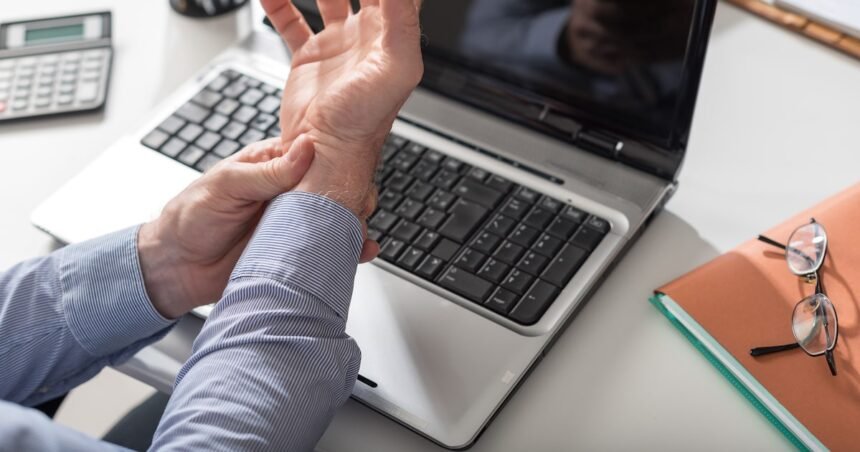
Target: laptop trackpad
[439, 367]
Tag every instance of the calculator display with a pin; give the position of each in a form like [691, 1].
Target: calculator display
[54, 34]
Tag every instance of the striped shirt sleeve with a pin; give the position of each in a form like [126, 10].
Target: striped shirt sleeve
[65, 316]
[273, 361]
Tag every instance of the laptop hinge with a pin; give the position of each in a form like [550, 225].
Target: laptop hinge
[594, 140]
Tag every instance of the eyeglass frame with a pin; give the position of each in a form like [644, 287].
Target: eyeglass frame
[819, 290]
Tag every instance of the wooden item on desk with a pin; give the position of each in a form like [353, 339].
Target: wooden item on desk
[803, 25]
[745, 298]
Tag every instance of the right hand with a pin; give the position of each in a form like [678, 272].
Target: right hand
[346, 85]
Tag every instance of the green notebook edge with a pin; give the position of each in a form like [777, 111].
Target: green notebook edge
[795, 432]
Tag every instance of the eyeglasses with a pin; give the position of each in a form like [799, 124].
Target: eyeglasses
[814, 321]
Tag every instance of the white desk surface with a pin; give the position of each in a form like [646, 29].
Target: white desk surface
[775, 131]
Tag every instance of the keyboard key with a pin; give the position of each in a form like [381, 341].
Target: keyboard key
[509, 253]
[218, 83]
[155, 139]
[427, 240]
[207, 98]
[424, 170]
[403, 162]
[472, 190]
[373, 234]
[452, 164]
[527, 195]
[573, 214]
[420, 191]
[388, 151]
[207, 162]
[192, 112]
[494, 271]
[383, 221]
[263, 122]
[173, 147]
[207, 141]
[534, 303]
[502, 301]
[172, 125]
[268, 89]
[406, 231]
[389, 200]
[465, 217]
[227, 106]
[226, 148]
[550, 204]
[430, 267]
[445, 179]
[586, 238]
[251, 136]
[410, 259]
[445, 250]
[598, 223]
[465, 284]
[499, 183]
[434, 157]
[431, 218]
[539, 218]
[518, 281]
[392, 249]
[524, 235]
[216, 122]
[234, 89]
[533, 263]
[562, 268]
[396, 141]
[441, 200]
[471, 260]
[245, 114]
[269, 104]
[478, 174]
[399, 182]
[191, 155]
[233, 130]
[562, 228]
[252, 97]
[190, 132]
[515, 209]
[501, 225]
[548, 245]
[486, 242]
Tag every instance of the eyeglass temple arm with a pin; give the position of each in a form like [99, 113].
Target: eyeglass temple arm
[759, 351]
[771, 242]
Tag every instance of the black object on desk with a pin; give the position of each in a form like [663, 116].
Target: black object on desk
[205, 8]
[56, 65]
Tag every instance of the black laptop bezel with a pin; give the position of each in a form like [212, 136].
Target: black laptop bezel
[661, 156]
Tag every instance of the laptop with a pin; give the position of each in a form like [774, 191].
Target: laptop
[542, 140]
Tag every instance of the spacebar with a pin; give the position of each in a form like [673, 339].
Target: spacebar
[465, 284]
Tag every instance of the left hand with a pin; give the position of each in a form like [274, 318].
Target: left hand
[189, 251]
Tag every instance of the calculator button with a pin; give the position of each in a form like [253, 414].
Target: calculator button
[65, 99]
[43, 102]
[87, 92]
[5, 74]
[46, 59]
[27, 62]
[66, 88]
[20, 105]
[91, 65]
[72, 56]
[46, 81]
[4, 86]
[93, 55]
[7, 63]
[44, 91]
[91, 76]
[68, 78]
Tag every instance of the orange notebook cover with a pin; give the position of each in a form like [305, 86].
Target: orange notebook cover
[744, 299]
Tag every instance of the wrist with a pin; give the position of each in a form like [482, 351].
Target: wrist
[349, 185]
[160, 272]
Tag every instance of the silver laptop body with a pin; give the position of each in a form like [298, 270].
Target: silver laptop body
[436, 362]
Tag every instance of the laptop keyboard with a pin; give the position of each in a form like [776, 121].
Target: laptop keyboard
[471, 232]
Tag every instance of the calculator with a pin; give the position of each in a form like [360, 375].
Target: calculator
[54, 66]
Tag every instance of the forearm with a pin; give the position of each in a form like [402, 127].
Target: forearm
[273, 361]
[65, 316]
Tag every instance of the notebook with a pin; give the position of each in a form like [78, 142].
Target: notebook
[745, 298]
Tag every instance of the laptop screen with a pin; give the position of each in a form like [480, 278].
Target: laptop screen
[629, 68]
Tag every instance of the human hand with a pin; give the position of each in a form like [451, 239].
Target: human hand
[346, 85]
[189, 251]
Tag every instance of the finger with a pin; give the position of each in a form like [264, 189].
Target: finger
[402, 31]
[260, 151]
[334, 11]
[369, 251]
[289, 22]
[268, 179]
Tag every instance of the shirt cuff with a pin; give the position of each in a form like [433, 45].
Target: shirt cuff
[104, 298]
[308, 242]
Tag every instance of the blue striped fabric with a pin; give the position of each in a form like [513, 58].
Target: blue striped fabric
[268, 370]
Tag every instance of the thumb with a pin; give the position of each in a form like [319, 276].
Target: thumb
[266, 180]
